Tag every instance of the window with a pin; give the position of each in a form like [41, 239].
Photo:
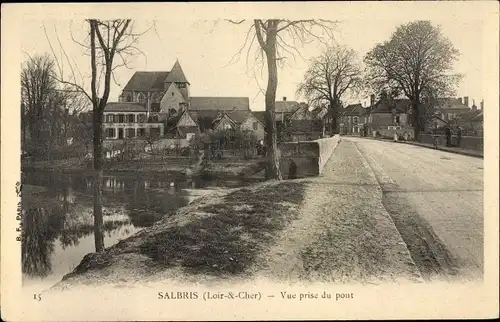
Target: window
[131, 118]
[140, 98]
[450, 116]
[128, 98]
[130, 133]
[154, 98]
[255, 126]
[355, 119]
[110, 118]
[141, 132]
[172, 93]
[181, 85]
[172, 112]
[110, 133]
[141, 118]
[121, 118]
[396, 119]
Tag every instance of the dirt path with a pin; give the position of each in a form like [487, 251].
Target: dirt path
[343, 233]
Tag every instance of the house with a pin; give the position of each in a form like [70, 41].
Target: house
[303, 124]
[284, 109]
[448, 109]
[352, 119]
[162, 101]
[471, 121]
[129, 120]
[388, 114]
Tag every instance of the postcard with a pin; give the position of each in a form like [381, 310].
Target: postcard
[249, 161]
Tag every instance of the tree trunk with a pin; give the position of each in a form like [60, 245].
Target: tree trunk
[98, 218]
[416, 120]
[273, 155]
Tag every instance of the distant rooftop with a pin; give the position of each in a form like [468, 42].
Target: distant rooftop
[124, 107]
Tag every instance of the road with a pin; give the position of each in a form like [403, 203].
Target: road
[436, 201]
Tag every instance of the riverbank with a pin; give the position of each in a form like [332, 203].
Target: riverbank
[216, 236]
[168, 167]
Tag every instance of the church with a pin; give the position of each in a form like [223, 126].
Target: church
[160, 104]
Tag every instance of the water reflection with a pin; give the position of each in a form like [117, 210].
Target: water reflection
[58, 214]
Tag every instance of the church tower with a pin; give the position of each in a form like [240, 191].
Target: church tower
[177, 77]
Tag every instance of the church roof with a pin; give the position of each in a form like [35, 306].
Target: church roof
[227, 104]
[176, 75]
[146, 81]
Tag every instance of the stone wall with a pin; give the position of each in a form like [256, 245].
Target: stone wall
[468, 142]
[326, 148]
[309, 156]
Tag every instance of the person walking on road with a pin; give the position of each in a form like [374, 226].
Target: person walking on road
[448, 135]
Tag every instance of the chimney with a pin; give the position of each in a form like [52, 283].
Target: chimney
[482, 105]
[284, 98]
[466, 101]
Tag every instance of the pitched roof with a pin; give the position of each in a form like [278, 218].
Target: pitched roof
[304, 109]
[124, 107]
[236, 116]
[386, 106]
[354, 109]
[209, 114]
[239, 116]
[220, 104]
[285, 106]
[176, 75]
[319, 111]
[222, 117]
[260, 115]
[146, 81]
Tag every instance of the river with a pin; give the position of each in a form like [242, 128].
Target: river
[58, 220]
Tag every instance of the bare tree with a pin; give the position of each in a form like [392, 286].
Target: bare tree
[37, 89]
[110, 45]
[418, 61]
[331, 75]
[277, 38]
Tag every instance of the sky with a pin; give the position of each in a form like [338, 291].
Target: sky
[205, 49]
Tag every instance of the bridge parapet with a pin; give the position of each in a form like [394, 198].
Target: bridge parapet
[309, 157]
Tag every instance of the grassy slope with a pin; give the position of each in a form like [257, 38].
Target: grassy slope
[217, 235]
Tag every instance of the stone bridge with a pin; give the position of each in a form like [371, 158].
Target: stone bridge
[309, 156]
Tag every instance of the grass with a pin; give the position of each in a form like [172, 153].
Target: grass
[213, 236]
[228, 238]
